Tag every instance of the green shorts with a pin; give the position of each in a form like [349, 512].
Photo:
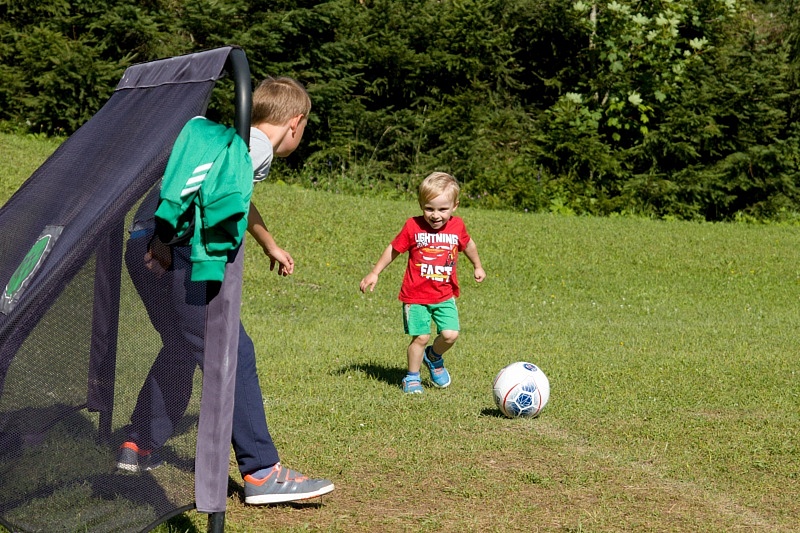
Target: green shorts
[417, 317]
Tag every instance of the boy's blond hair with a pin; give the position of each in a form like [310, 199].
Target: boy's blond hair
[438, 183]
[278, 100]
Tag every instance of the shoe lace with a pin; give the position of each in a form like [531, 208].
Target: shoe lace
[289, 475]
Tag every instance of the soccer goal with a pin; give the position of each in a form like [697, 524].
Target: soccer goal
[76, 341]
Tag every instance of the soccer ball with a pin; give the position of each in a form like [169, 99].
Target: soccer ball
[521, 390]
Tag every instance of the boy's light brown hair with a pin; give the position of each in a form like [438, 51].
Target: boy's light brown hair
[438, 183]
[278, 100]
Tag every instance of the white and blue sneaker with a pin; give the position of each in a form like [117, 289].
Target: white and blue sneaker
[412, 385]
[439, 374]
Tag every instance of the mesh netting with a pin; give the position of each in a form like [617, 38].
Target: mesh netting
[58, 469]
[76, 341]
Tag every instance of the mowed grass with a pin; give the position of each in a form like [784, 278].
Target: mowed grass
[670, 347]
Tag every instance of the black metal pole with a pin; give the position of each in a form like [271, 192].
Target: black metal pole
[216, 522]
[243, 93]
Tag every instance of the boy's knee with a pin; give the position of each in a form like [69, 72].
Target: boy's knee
[421, 339]
[449, 336]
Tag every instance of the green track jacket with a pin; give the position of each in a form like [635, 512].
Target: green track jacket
[207, 184]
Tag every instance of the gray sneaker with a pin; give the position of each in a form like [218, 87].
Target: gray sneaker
[283, 485]
[133, 459]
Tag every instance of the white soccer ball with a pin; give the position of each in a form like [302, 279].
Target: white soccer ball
[521, 390]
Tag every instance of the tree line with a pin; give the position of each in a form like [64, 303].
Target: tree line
[671, 108]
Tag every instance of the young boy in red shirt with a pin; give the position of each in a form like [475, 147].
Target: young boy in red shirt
[430, 286]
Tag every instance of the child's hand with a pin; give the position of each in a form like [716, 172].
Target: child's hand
[158, 257]
[282, 258]
[480, 275]
[153, 264]
[369, 281]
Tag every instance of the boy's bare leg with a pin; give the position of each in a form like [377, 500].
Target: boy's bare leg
[415, 351]
[444, 341]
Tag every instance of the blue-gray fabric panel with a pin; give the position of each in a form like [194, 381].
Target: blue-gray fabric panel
[190, 68]
[219, 382]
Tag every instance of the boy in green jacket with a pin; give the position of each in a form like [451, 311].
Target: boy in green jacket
[280, 112]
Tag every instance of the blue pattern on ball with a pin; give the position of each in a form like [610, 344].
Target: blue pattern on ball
[524, 401]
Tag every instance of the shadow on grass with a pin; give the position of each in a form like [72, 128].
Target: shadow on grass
[388, 374]
[181, 523]
[492, 412]
[51, 458]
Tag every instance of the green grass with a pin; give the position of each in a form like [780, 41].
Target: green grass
[20, 156]
[670, 347]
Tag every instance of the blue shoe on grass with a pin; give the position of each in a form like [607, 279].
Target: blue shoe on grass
[439, 374]
[412, 385]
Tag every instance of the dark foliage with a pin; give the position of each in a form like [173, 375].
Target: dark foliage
[680, 109]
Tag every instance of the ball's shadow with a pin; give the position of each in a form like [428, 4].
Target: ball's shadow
[492, 412]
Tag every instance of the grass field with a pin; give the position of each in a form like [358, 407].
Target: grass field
[670, 349]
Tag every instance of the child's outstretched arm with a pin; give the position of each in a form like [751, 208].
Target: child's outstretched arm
[369, 281]
[276, 254]
[471, 251]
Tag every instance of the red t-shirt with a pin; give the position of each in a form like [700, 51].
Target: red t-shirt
[430, 276]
